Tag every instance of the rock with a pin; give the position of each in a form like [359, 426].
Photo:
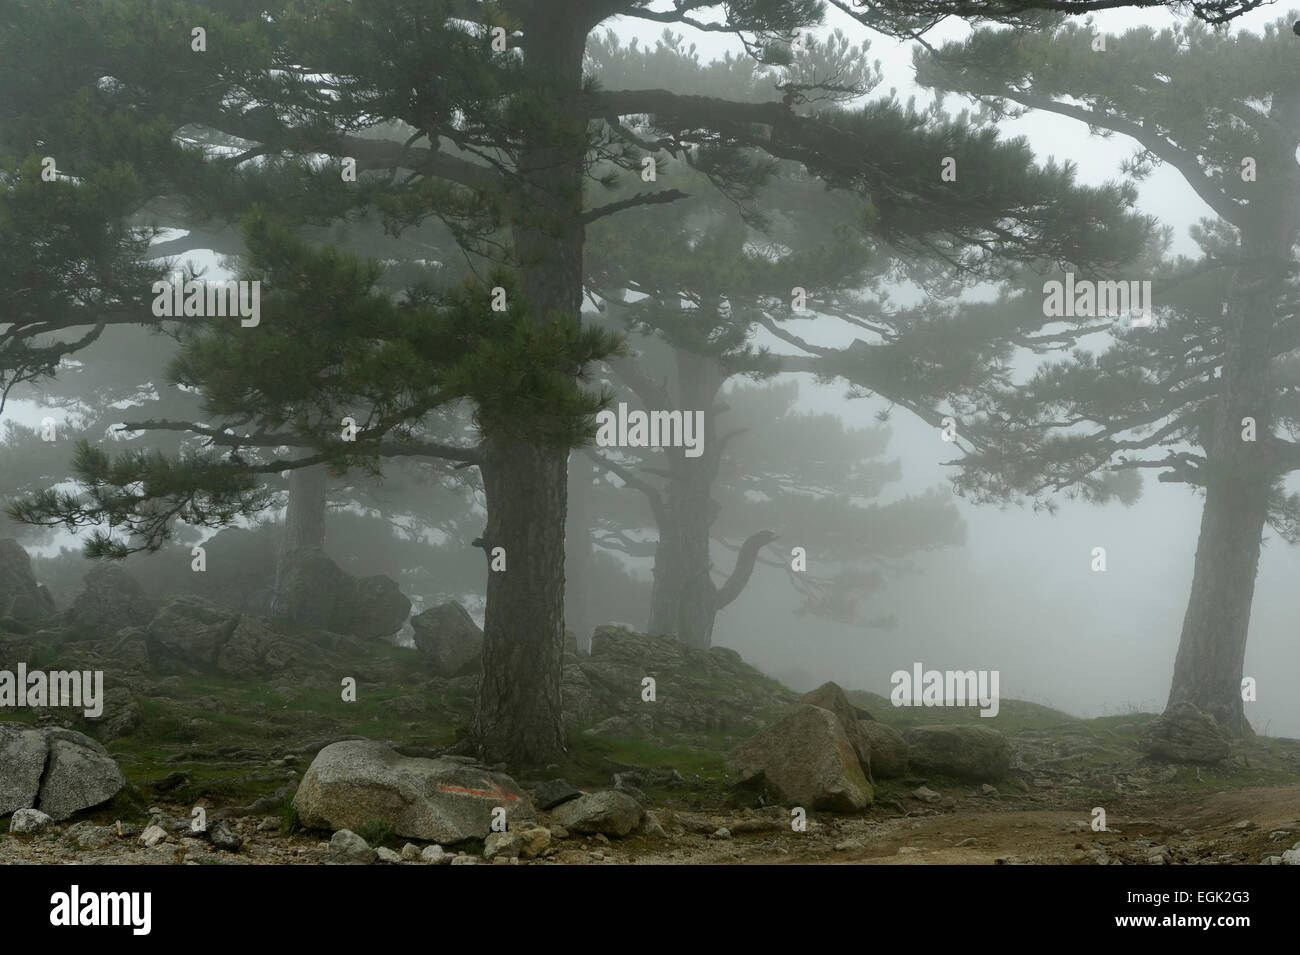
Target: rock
[967, 752]
[375, 608]
[926, 794]
[987, 790]
[830, 696]
[78, 775]
[22, 761]
[111, 599]
[190, 631]
[354, 782]
[464, 860]
[85, 837]
[435, 855]
[559, 832]
[314, 593]
[388, 855]
[21, 597]
[253, 650]
[348, 848]
[554, 792]
[410, 852]
[1184, 734]
[30, 821]
[652, 827]
[807, 758]
[609, 812]
[121, 713]
[1291, 857]
[222, 836]
[448, 638]
[153, 836]
[533, 840]
[888, 749]
[722, 832]
[506, 844]
[848, 845]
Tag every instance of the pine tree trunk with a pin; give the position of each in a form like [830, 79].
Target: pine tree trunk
[517, 717]
[683, 598]
[578, 562]
[303, 533]
[1238, 478]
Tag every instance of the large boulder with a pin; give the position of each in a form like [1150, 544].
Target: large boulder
[449, 638]
[1184, 734]
[888, 749]
[314, 593]
[190, 631]
[194, 635]
[57, 771]
[609, 812]
[963, 751]
[21, 597]
[830, 696]
[807, 759]
[355, 782]
[111, 600]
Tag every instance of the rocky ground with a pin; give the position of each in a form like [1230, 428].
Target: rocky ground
[216, 721]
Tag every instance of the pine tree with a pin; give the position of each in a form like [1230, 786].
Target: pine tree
[1205, 395]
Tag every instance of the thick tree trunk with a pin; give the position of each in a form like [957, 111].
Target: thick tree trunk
[1238, 476]
[303, 533]
[578, 562]
[517, 716]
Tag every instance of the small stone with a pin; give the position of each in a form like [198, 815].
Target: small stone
[464, 860]
[533, 840]
[926, 794]
[907, 850]
[987, 790]
[502, 844]
[722, 833]
[847, 845]
[411, 852]
[652, 827]
[1291, 856]
[968, 841]
[348, 848]
[222, 836]
[153, 835]
[559, 832]
[30, 821]
[435, 855]
[387, 855]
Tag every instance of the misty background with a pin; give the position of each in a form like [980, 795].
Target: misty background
[1020, 596]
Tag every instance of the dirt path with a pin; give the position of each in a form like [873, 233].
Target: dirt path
[1236, 827]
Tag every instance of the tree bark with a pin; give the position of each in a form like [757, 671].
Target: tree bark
[517, 716]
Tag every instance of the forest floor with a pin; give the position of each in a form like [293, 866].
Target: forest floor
[238, 747]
